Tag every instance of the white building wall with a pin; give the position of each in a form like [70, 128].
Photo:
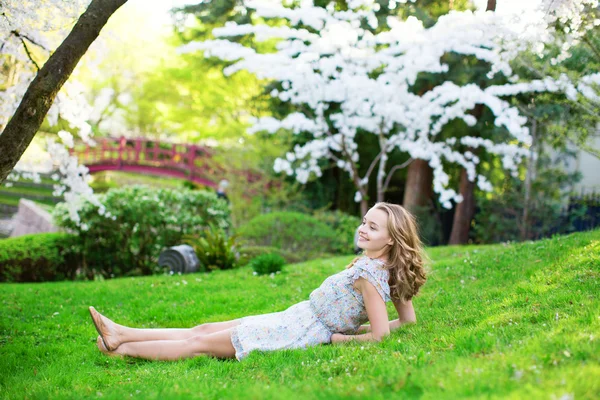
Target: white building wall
[589, 166]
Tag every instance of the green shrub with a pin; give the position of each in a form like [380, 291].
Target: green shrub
[267, 264]
[214, 249]
[39, 258]
[141, 222]
[250, 252]
[344, 225]
[500, 215]
[292, 232]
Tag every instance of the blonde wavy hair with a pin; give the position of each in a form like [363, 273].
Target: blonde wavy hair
[406, 258]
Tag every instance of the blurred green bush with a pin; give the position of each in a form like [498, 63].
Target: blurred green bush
[302, 235]
[138, 223]
[39, 258]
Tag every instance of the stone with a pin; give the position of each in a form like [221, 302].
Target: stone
[179, 259]
[31, 218]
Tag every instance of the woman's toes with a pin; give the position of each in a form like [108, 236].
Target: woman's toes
[106, 329]
[104, 350]
[101, 345]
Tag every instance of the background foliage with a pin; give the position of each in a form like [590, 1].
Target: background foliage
[141, 223]
[39, 258]
[291, 231]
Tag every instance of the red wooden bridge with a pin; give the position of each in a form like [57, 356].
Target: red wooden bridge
[146, 156]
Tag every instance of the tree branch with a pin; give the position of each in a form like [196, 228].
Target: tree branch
[372, 166]
[28, 53]
[540, 75]
[352, 164]
[587, 41]
[20, 35]
[396, 167]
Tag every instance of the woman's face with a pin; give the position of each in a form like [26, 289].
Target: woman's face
[373, 235]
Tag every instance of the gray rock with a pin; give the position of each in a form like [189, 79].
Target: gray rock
[30, 218]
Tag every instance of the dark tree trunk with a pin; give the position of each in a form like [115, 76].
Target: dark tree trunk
[528, 181]
[465, 211]
[40, 95]
[418, 190]
[364, 207]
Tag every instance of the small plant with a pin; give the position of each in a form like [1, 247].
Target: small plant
[267, 263]
[215, 250]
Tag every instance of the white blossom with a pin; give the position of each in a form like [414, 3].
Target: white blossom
[334, 64]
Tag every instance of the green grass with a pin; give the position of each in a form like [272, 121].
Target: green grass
[517, 321]
[119, 178]
[100, 183]
[14, 201]
[25, 191]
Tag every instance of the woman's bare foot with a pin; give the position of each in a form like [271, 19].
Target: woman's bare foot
[108, 330]
[103, 349]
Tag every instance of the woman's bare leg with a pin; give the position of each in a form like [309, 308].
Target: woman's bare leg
[114, 334]
[216, 344]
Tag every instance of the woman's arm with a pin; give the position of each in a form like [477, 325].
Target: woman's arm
[406, 315]
[376, 311]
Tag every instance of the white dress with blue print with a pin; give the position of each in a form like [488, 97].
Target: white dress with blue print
[335, 307]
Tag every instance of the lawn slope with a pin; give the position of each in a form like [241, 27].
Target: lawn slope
[503, 321]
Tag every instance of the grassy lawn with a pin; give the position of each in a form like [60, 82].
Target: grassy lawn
[14, 201]
[25, 191]
[119, 179]
[100, 183]
[515, 321]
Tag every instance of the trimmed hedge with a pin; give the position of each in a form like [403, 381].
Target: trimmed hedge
[39, 258]
[293, 232]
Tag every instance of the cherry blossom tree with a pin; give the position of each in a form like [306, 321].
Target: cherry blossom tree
[345, 80]
[33, 89]
[21, 25]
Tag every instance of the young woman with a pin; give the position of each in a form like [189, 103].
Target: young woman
[391, 269]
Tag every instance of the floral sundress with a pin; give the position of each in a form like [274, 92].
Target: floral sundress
[335, 307]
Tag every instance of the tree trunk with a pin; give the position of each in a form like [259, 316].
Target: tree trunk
[381, 170]
[464, 211]
[38, 99]
[418, 190]
[461, 225]
[364, 207]
[528, 179]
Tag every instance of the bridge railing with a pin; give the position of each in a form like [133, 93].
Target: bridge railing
[115, 153]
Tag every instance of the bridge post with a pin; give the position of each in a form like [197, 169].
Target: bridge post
[173, 160]
[191, 159]
[138, 149]
[121, 148]
[86, 154]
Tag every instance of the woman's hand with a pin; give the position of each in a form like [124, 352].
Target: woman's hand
[337, 338]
